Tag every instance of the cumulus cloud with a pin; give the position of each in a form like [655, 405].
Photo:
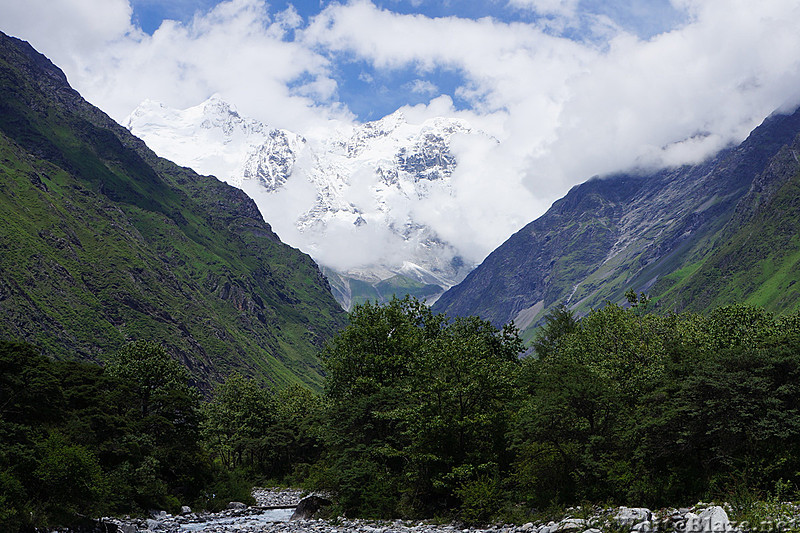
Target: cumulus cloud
[69, 31]
[704, 85]
[237, 49]
[573, 109]
[80, 25]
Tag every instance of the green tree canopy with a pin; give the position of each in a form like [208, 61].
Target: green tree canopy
[418, 407]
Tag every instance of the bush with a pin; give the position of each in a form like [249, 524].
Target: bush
[481, 500]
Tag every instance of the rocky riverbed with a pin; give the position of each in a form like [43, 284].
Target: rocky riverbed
[272, 506]
[266, 517]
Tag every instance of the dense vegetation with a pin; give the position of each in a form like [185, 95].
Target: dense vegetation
[422, 416]
[77, 439]
[430, 417]
[418, 409]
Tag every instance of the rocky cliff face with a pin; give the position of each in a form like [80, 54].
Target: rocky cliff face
[103, 243]
[644, 231]
[366, 182]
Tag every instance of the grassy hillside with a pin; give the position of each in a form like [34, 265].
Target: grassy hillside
[757, 257]
[104, 243]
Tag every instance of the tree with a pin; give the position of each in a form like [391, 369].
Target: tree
[164, 447]
[658, 409]
[417, 407]
[574, 431]
[726, 416]
[153, 374]
[64, 464]
[299, 423]
[366, 365]
[31, 402]
[78, 440]
[458, 404]
[559, 323]
[239, 420]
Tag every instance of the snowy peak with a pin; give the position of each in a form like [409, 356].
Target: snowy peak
[212, 137]
[354, 199]
[213, 114]
[393, 134]
[397, 150]
[272, 162]
[216, 113]
[430, 158]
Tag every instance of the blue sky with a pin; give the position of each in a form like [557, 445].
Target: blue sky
[646, 18]
[370, 93]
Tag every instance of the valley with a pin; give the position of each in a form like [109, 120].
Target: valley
[379, 311]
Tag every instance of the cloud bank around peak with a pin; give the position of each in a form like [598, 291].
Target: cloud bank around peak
[569, 87]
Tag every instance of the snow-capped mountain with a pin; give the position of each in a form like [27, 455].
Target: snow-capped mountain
[354, 198]
[211, 138]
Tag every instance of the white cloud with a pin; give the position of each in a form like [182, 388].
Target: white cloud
[67, 31]
[574, 109]
[423, 87]
[236, 50]
[564, 8]
[289, 18]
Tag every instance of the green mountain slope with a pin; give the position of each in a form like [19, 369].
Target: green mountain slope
[650, 232]
[102, 242]
[757, 258]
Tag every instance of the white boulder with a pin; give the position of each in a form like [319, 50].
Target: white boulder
[629, 516]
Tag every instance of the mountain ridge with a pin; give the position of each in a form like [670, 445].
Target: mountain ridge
[104, 242]
[615, 233]
[757, 260]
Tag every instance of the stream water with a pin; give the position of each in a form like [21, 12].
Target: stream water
[272, 515]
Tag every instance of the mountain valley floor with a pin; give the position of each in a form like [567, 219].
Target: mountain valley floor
[699, 518]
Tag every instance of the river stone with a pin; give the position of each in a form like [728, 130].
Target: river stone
[692, 522]
[236, 505]
[571, 524]
[308, 507]
[628, 516]
[712, 520]
[715, 520]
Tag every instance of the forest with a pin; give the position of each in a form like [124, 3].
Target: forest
[421, 416]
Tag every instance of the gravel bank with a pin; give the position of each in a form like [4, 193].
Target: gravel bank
[264, 518]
